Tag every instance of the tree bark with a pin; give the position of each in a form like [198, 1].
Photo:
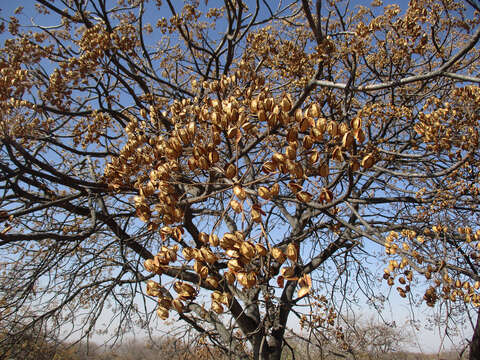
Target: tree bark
[475, 343]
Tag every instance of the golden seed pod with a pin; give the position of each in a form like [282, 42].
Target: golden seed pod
[228, 241]
[292, 252]
[280, 281]
[359, 135]
[264, 193]
[278, 255]
[201, 269]
[262, 116]
[149, 265]
[337, 154]
[278, 158]
[368, 161]
[153, 288]
[261, 250]
[314, 157]
[298, 115]
[303, 291]
[213, 157]
[251, 279]
[347, 140]
[203, 163]
[356, 123]
[390, 281]
[178, 305]
[332, 129]
[239, 192]
[324, 169]
[308, 142]
[236, 206]
[217, 307]
[234, 265]
[242, 278]
[401, 280]
[289, 273]
[255, 215]
[230, 171]
[232, 253]
[226, 299]
[162, 313]
[274, 190]
[291, 152]
[286, 104]
[294, 187]
[216, 295]
[269, 167]
[213, 240]
[211, 281]
[304, 196]
[354, 164]
[203, 237]
[230, 277]
[208, 255]
[247, 250]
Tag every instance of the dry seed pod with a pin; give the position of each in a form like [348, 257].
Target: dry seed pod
[256, 215]
[236, 206]
[262, 116]
[356, 123]
[292, 252]
[230, 277]
[308, 142]
[347, 140]
[178, 305]
[298, 115]
[261, 250]
[289, 273]
[304, 196]
[359, 135]
[217, 307]
[234, 265]
[242, 278]
[203, 237]
[213, 240]
[264, 193]
[201, 269]
[230, 171]
[247, 250]
[303, 291]
[286, 104]
[280, 281]
[305, 281]
[337, 154]
[162, 313]
[324, 169]
[208, 255]
[251, 279]
[278, 255]
[211, 281]
[239, 192]
[153, 288]
[275, 189]
[269, 167]
[368, 161]
[232, 253]
[294, 187]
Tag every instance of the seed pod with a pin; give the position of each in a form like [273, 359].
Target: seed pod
[201, 269]
[298, 115]
[213, 240]
[247, 250]
[236, 206]
[217, 307]
[162, 313]
[178, 305]
[289, 273]
[278, 255]
[256, 215]
[292, 252]
[304, 196]
[303, 291]
[234, 265]
[203, 237]
[153, 288]
[347, 140]
[239, 192]
[368, 161]
[269, 167]
[210, 280]
[242, 278]
[359, 135]
[231, 171]
[308, 142]
[324, 169]
[230, 277]
[264, 193]
[208, 256]
[251, 279]
[261, 250]
[286, 104]
[274, 190]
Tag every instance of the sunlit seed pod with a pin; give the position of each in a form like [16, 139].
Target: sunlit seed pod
[313, 110]
[213, 240]
[162, 313]
[401, 280]
[217, 307]
[239, 192]
[428, 275]
[232, 133]
[149, 265]
[178, 305]
[191, 130]
[286, 104]
[337, 154]
[356, 123]
[292, 252]
[303, 291]
[291, 152]
[304, 196]
[203, 163]
[342, 129]
[278, 255]
[262, 116]
[234, 265]
[314, 157]
[203, 237]
[255, 215]
[201, 269]
[208, 256]
[294, 187]
[390, 281]
[458, 283]
[254, 106]
[268, 104]
[332, 129]
[247, 250]
[211, 281]
[324, 169]
[264, 193]
[298, 115]
[308, 142]
[401, 292]
[236, 206]
[278, 158]
[232, 253]
[316, 134]
[368, 161]
[216, 295]
[251, 279]
[229, 277]
[230, 171]
[289, 273]
[409, 276]
[274, 190]
[261, 250]
[192, 163]
[305, 281]
[387, 270]
[226, 298]
[153, 288]
[213, 157]
[359, 135]
[187, 253]
[347, 140]
[242, 278]
[269, 167]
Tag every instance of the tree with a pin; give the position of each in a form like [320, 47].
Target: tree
[241, 160]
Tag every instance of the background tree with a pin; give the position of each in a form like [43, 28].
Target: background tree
[242, 160]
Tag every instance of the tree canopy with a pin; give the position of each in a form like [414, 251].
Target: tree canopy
[240, 163]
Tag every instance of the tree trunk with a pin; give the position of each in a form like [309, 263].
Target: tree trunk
[475, 343]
